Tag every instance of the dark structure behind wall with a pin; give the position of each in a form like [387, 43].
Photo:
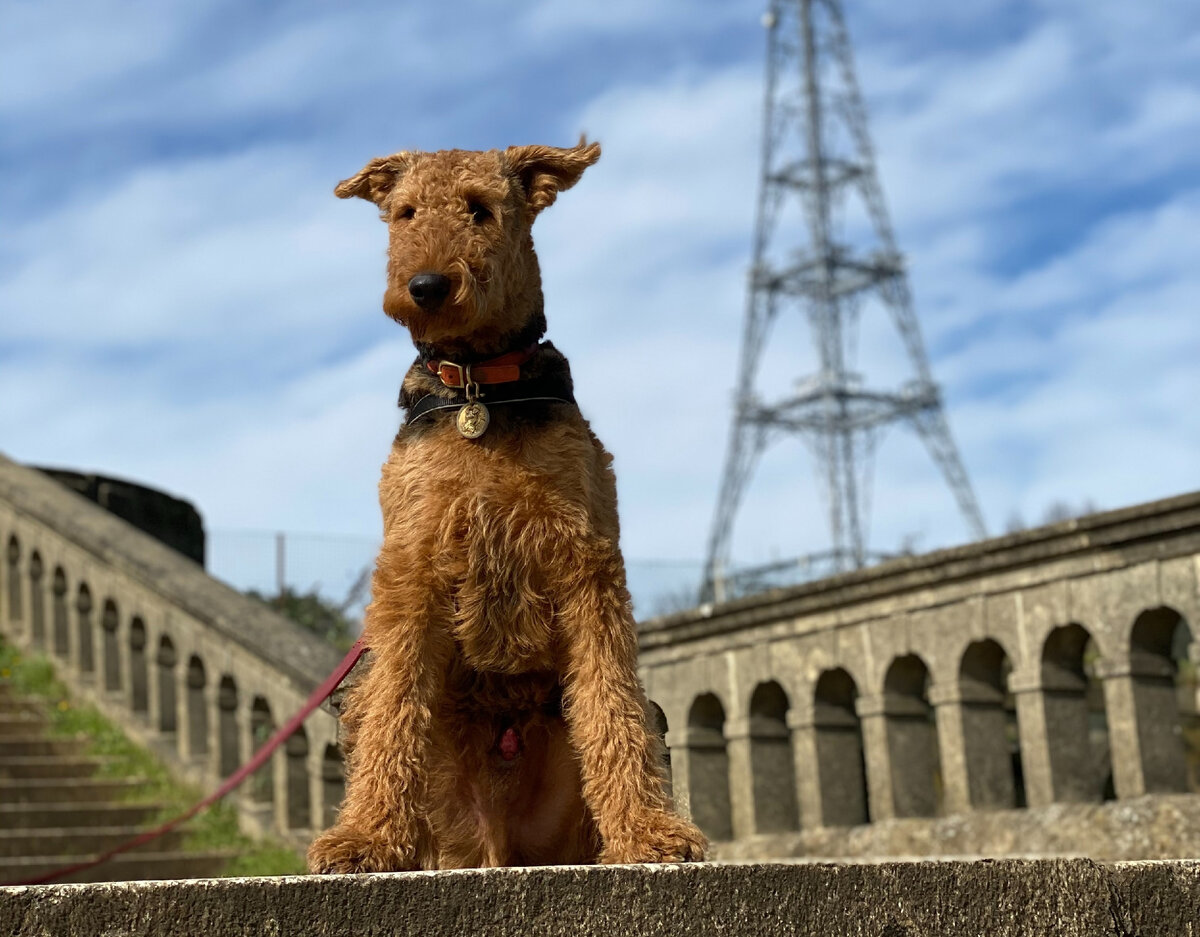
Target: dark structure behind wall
[168, 519]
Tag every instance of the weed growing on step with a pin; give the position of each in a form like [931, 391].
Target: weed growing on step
[215, 829]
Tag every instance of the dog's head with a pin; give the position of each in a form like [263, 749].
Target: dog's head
[461, 268]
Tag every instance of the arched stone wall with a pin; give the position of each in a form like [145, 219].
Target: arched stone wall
[991, 741]
[110, 623]
[37, 601]
[143, 634]
[12, 556]
[1159, 642]
[658, 725]
[772, 764]
[299, 808]
[1074, 715]
[197, 708]
[262, 725]
[708, 767]
[841, 768]
[229, 745]
[168, 705]
[62, 624]
[333, 783]
[84, 643]
[139, 668]
[912, 738]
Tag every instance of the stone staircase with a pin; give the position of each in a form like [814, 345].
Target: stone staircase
[56, 809]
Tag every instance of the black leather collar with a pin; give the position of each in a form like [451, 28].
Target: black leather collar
[546, 389]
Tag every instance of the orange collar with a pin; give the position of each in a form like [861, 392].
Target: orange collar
[499, 370]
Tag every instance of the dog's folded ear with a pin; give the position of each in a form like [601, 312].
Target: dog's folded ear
[544, 171]
[375, 180]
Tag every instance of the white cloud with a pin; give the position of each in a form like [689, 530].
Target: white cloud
[208, 320]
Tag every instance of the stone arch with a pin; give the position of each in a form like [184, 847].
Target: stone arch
[299, 808]
[841, 767]
[1163, 680]
[37, 601]
[262, 726]
[110, 621]
[229, 751]
[168, 714]
[139, 670]
[62, 624]
[991, 739]
[708, 768]
[333, 784]
[12, 556]
[772, 765]
[1076, 726]
[85, 646]
[197, 707]
[912, 738]
[658, 726]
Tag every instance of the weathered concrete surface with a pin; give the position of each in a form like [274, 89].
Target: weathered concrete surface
[1064, 898]
[1153, 827]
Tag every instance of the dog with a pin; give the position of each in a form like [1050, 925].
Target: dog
[501, 721]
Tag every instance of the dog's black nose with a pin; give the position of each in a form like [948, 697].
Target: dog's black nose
[429, 289]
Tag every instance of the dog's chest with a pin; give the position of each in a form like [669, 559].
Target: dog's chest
[501, 531]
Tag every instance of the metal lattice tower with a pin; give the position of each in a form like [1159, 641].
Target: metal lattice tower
[815, 150]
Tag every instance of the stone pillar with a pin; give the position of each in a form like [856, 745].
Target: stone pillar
[741, 778]
[952, 748]
[1120, 710]
[872, 713]
[681, 771]
[153, 684]
[804, 755]
[1035, 745]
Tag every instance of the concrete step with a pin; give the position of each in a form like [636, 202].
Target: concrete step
[1014, 898]
[70, 790]
[15, 844]
[50, 766]
[17, 746]
[10, 703]
[79, 816]
[127, 867]
[21, 724]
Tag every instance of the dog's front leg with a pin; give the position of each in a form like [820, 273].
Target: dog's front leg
[381, 826]
[623, 780]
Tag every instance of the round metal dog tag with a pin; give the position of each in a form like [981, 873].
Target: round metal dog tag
[473, 420]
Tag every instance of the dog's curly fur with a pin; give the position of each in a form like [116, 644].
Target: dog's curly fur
[499, 598]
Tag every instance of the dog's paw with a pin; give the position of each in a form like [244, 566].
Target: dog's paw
[660, 837]
[346, 852]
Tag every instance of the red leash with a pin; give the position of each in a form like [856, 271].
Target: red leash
[319, 695]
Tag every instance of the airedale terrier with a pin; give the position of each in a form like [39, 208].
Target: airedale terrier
[501, 721]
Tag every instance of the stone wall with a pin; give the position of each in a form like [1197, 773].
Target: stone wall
[1051, 666]
[185, 664]
[931, 899]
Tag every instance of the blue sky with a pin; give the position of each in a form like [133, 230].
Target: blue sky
[184, 302]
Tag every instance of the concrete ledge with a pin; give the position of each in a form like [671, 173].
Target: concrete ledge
[1007, 898]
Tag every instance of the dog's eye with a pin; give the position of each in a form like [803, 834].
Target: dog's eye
[479, 212]
[406, 212]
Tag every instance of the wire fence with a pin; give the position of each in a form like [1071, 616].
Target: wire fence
[338, 568]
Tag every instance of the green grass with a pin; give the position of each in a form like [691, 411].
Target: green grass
[213, 829]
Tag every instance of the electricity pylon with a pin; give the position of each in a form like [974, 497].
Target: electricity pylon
[816, 151]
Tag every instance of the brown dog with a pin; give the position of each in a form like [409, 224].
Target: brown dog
[502, 721]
